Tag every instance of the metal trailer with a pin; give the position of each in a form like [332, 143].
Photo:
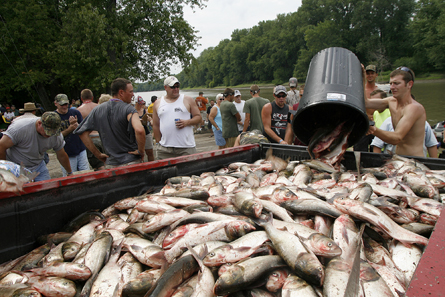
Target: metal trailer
[45, 207]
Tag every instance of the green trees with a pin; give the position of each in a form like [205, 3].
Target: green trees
[52, 46]
[382, 32]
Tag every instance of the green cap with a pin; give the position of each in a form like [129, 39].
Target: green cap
[51, 123]
[62, 99]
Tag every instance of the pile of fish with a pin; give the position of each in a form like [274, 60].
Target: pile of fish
[271, 228]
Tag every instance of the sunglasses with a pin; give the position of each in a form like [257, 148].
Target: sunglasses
[406, 69]
[281, 96]
[228, 94]
[221, 99]
[174, 87]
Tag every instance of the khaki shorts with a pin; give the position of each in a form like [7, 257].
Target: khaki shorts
[230, 142]
[203, 114]
[172, 152]
[149, 141]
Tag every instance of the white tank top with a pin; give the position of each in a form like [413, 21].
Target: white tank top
[172, 136]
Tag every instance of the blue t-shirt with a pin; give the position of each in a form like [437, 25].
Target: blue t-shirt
[73, 143]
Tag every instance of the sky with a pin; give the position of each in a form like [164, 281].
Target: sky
[220, 18]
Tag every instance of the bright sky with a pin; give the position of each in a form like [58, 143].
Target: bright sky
[220, 18]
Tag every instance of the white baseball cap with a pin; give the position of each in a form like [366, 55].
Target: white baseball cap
[170, 81]
[237, 93]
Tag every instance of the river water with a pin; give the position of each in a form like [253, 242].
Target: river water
[431, 94]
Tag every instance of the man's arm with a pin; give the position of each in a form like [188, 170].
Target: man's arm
[246, 122]
[85, 137]
[73, 125]
[238, 118]
[156, 128]
[139, 131]
[432, 151]
[194, 110]
[289, 136]
[377, 103]
[5, 143]
[64, 160]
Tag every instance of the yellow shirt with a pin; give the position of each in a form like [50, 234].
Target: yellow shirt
[150, 108]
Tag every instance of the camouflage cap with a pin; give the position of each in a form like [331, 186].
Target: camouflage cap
[62, 99]
[51, 123]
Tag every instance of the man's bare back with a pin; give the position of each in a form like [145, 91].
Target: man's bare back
[86, 108]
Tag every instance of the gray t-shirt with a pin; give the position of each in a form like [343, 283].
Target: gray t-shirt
[29, 146]
[115, 131]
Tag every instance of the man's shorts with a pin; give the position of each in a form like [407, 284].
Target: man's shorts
[163, 152]
[203, 114]
[149, 141]
[230, 142]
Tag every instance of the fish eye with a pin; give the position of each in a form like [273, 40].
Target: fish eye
[212, 254]
[274, 274]
[329, 244]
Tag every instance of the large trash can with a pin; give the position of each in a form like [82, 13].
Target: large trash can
[332, 95]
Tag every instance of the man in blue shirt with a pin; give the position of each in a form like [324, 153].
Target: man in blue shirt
[74, 147]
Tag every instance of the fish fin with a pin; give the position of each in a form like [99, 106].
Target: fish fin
[269, 153]
[196, 256]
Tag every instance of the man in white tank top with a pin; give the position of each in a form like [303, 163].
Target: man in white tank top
[174, 116]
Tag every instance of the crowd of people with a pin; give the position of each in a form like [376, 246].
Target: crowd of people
[114, 132]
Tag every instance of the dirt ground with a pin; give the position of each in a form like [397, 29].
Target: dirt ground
[204, 143]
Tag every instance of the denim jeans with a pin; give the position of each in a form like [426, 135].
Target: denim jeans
[43, 172]
[78, 163]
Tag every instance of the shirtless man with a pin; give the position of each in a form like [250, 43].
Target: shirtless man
[87, 106]
[408, 116]
[371, 75]
[174, 116]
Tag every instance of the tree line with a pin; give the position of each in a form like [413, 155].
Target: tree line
[387, 33]
[52, 46]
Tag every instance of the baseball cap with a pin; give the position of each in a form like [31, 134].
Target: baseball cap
[51, 123]
[254, 89]
[293, 82]
[279, 89]
[62, 99]
[371, 68]
[140, 100]
[170, 81]
[237, 93]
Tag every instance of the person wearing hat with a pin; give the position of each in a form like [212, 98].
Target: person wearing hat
[239, 104]
[408, 115]
[9, 114]
[26, 141]
[276, 118]
[145, 120]
[371, 76]
[120, 129]
[230, 118]
[252, 109]
[174, 116]
[216, 121]
[201, 101]
[74, 147]
[293, 95]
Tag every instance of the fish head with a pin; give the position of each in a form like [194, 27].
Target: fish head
[70, 250]
[236, 229]
[225, 268]
[310, 269]
[276, 279]
[324, 246]
[230, 281]
[26, 292]
[252, 207]
[217, 256]
[343, 204]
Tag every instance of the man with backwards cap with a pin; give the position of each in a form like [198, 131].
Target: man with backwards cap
[276, 118]
[174, 116]
[26, 141]
[252, 109]
[293, 96]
